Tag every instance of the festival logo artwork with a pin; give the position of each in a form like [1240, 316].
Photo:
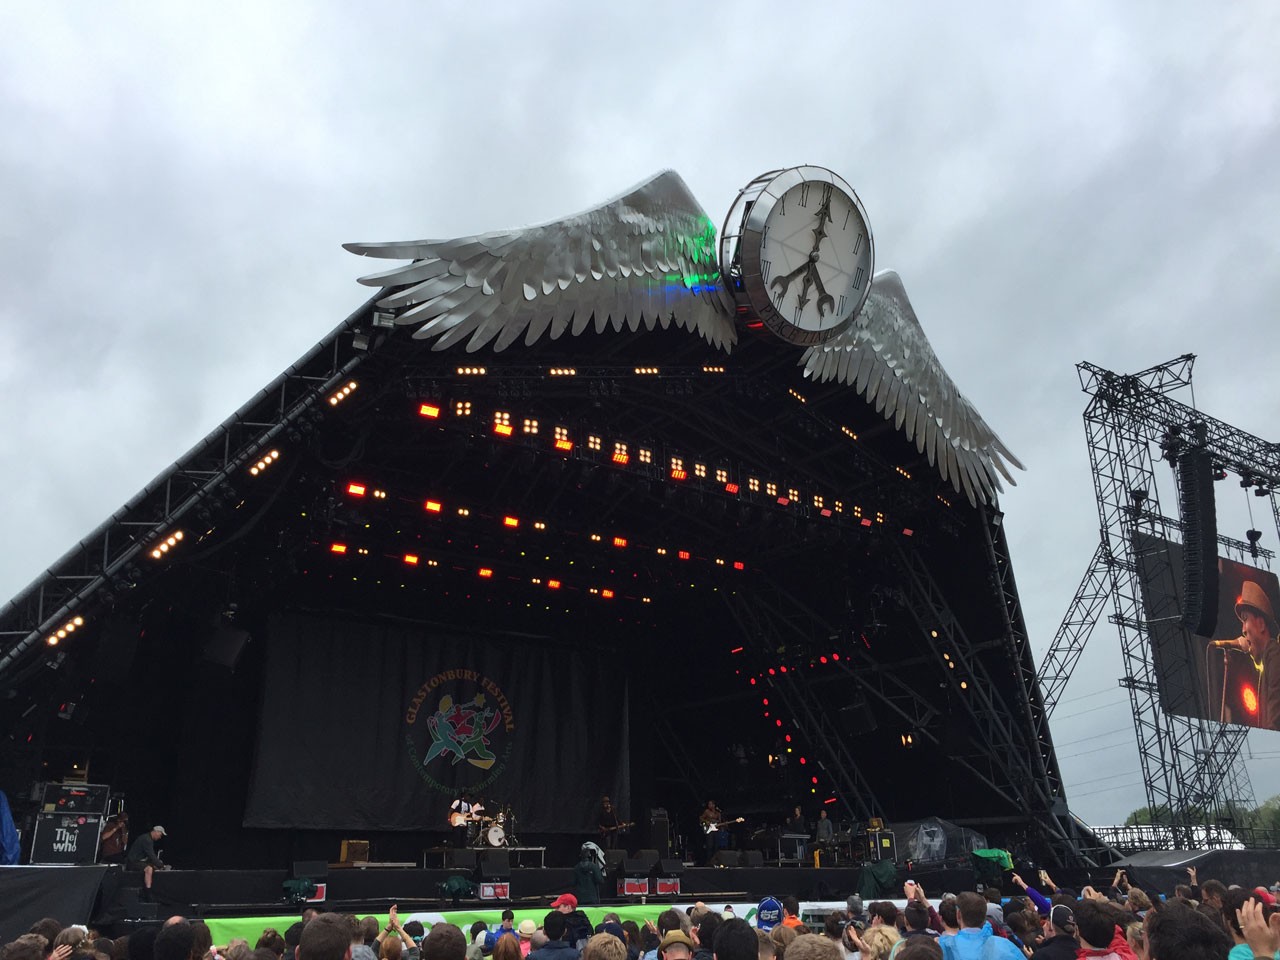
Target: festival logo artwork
[459, 717]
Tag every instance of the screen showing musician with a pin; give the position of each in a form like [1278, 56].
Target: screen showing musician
[1232, 676]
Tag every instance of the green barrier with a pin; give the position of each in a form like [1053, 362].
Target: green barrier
[225, 929]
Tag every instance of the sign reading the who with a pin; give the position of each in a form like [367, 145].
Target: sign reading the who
[66, 838]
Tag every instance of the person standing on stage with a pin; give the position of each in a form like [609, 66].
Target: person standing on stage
[462, 805]
[824, 834]
[608, 821]
[710, 817]
[115, 839]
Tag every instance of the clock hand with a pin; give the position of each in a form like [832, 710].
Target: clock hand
[823, 296]
[782, 283]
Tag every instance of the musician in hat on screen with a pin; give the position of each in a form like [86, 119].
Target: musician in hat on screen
[1258, 639]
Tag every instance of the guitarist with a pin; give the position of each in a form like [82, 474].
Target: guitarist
[460, 817]
[610, 827]
[711, 817]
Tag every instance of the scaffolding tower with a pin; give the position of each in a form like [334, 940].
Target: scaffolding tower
[1191, 767]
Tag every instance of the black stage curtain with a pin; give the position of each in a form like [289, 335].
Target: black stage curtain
[30, 893]
[378, 726]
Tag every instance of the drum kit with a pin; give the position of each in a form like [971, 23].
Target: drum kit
[499, 831]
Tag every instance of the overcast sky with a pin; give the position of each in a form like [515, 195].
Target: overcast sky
[1097, 182]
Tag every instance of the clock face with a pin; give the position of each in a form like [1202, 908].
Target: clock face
[808, 255]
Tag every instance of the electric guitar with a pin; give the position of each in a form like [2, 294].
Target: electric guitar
[618, 826]
[716, 827]
[457, 819]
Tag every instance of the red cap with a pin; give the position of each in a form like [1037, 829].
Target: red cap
[1265, 895]
[568, 899]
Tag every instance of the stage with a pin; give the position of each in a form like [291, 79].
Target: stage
[112, 900]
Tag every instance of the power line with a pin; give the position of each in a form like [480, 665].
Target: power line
[1081, 713]
[1085, 753]
[1107, 733]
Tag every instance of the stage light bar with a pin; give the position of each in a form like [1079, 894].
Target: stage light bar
[265, 462]
[411, 559]
[464, 512]
[783, 501]
[462, 408]
[903, 472]
[645, 456]
[593, 442]
[753, 484]
[562, 439]
[429, 410]
[678, 471]
[485, 572]
[472, 371]
[539, 525]
[839, 505]
[167, 544]
[502, 429]
[709, 369]
[356, 489]
[619, 541]
[824, 512]
[607, 593]
[866, 522]
[620, 455]
[771, 489]
[829, 800]
[683, 554]
[908, 532]
[731, 488]
[61, 633]
[563, 372]
[848, 433]
[432, 506]
[722, 475]
[553, 584]
[796, 395]
[646, 371]
[739, 565]
[337, 548]
[511, 522]
[530, 426]
[342, 394]
[943, 500]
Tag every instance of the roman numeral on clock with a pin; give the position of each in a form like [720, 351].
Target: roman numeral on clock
[782, 205]
[840, 306]
[765, 267]
[857, 279]
[857, 245]
[804, 194]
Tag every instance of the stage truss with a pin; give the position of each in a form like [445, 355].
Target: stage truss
[1191, 767]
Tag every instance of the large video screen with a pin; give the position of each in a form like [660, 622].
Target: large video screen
[1233, 676]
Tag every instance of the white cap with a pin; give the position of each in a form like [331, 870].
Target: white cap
[159, 830]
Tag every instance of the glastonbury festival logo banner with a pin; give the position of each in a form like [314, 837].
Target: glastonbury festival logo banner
[368, 724]
[459, 718]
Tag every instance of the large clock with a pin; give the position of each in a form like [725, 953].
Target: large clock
[804, 254]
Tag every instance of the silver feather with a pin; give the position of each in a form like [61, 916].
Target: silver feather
[886, 356]
[647, 257]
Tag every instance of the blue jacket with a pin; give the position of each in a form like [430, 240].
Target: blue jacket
[971, 944]
[557, 950]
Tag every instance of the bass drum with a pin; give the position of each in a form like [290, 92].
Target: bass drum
[496, 836]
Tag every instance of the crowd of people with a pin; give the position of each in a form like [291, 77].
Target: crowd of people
[1208, 921]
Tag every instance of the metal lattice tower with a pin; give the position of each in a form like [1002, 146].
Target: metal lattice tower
[1189, 766]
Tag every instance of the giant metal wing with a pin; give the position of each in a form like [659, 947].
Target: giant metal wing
[887, 358]
[645, 258]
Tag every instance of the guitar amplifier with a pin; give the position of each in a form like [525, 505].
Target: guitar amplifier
[354, 851]
[90, 798]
